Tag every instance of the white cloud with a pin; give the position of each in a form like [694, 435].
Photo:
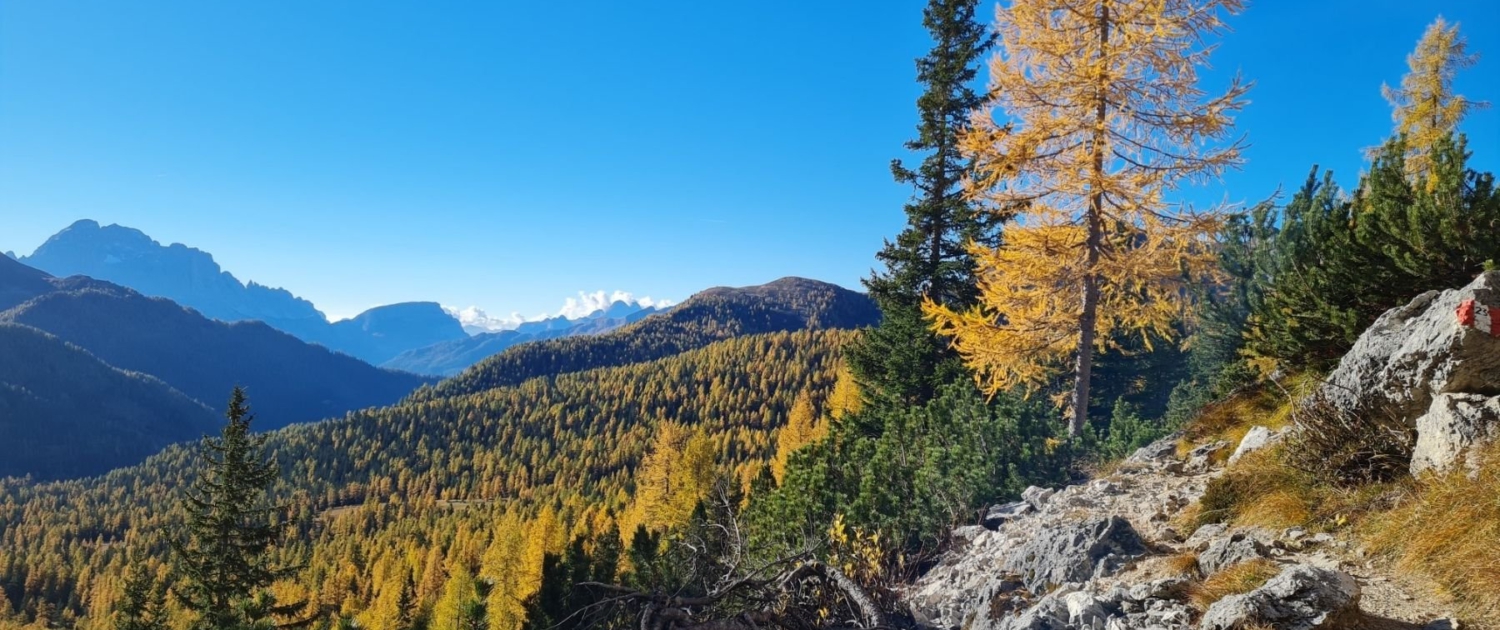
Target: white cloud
[474, 317]
[573, 308]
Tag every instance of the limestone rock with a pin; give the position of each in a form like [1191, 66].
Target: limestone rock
[1226, 552]
[1451, 427]
[1161, 450]
[1075, 552]
[1000, 514]
[1037, 497]
[1428, 347]
[1258, 438]
[1200, 459]
[1301, 597]
[1204, 535]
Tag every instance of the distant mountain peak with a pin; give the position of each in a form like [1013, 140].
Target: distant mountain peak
[585, 306]
[186, 275]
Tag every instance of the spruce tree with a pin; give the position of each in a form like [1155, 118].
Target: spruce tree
[224, 556]
[142, 605]
[902, 362]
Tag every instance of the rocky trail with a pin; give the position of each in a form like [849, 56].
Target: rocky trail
[1129, 549]
[1112, 554]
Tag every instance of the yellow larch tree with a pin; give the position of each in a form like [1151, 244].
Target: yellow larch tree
[503, 567]
[1425, 107]
[1102, 116]
[674, 476]
[801, 428]
[460, 592]
[846, 397]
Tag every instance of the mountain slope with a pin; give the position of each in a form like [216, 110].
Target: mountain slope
[190, 277]
[19, 283]
[65, 413]
[569, 443]
[204, 359]
[709, 316]
[381, 333]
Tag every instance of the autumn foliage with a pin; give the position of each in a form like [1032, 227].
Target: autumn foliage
[1105, 117]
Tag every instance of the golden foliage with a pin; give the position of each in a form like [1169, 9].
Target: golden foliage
[1105, 117]
[677, 474]
[846, 398]
[802, 428]
[861, 555]
[1425, 106]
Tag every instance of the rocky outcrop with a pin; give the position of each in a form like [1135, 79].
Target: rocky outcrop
[1226, 552]
[1069, 607]
[1074, 552]
[1106, 555]
[1053, 562]
[1442, 343]
[1452, 426]
[1258, 438]
[1301, 597]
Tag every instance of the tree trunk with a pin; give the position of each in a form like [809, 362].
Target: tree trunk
[1083, 371]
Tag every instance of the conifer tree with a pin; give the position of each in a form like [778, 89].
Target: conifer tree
[1421, 219]
[142, 605]
[902, 362]
[1425, 107]
[1105, 118]
[396, 609]
[801, 428]
[224, 557]
[456, 610]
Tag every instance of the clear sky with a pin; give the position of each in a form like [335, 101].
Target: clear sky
[509, 154]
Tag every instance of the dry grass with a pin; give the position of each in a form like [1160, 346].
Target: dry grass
[1278, 509]
[1230, 419]
[1181, 564]
[1240, 578]
[1259, 490]
[1448, 528]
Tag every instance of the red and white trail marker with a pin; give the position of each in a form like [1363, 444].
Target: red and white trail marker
[1477, 316]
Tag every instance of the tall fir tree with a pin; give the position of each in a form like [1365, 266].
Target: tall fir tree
[902, 362]
[225, 558]
[143, 603]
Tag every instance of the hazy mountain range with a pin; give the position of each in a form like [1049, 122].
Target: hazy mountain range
[414, 336]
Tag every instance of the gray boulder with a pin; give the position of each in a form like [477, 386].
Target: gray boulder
[1258, 438]
[1415, 352]
[1164, 449]
[1037, 496]
[1226, 552]
[1451, 427]
[1001, 514]
[1200, 459]
[1074, 552]
[1302, 597]
[1064, 609]
[1204, 535]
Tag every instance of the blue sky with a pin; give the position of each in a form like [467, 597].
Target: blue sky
[510, 154]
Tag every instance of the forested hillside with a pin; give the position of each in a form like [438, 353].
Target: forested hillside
[563, 449]
[204, 358]
[708, 316]
[66, 413]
